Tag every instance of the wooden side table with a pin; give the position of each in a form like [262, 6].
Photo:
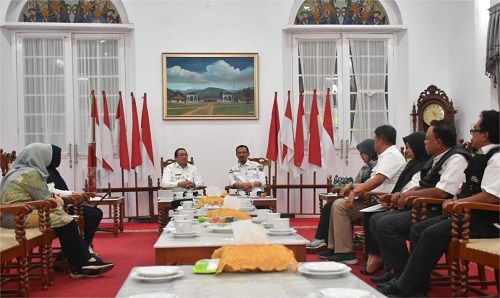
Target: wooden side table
[163, 209]
[118, 206]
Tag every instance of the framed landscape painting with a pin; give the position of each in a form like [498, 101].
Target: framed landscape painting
[210, 86]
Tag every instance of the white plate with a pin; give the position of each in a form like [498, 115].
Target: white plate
[212, 207]
[290, 230]
[220, 228]
[325, 266]
[323, 274]
[184, 235]
[154, 271]
[344, 293]
[286, 233]
[135, 275]
[258, 220]
[247, 208]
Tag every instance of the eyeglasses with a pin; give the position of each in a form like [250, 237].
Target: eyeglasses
[472, 131]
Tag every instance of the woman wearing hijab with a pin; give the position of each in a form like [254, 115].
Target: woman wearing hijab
[417, 157]
[91, 214]
[25, 182]
[369, 156]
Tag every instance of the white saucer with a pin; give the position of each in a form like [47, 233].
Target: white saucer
[290, 230]
[156, 271]
[282, 233]
[258, 220]
[220, 229]
[247, 208]
[324, 266]
[323, 274]
[135, 275]
[154, 295]
[184, 235]
[267, 225]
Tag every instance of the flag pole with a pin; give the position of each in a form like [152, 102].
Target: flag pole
[92, 160]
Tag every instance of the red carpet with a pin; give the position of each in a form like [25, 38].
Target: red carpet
[133, 248]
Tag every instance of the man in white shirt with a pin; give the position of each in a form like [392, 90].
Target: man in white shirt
[430, 238]
[441, 178]
[181, 175]
[247, 176]
[384, 176]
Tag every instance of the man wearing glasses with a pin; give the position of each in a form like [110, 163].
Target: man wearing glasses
[430, 238]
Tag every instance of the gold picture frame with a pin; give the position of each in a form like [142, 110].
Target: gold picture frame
[210, 86]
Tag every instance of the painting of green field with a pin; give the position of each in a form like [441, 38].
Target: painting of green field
[210, 109]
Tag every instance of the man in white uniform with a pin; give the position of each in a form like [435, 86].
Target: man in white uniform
[247, 175]
[181, 175]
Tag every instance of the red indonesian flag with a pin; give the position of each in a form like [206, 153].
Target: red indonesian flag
[314, 155]
[106, 144]
[327, 140]
[136, 137]
[91, 136]
[120, 141]
[287, 138]
[148, 161]
[298, 158]
[274, 130]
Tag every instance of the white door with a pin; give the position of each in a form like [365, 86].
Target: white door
[357, 69]
[56, 72]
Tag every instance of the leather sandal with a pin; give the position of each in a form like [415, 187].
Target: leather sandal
[364, 271]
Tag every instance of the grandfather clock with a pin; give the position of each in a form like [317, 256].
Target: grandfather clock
[432, 104]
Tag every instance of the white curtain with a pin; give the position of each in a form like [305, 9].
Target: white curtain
[44, 90]
[98, 70]
[317, 62]
[369, 63]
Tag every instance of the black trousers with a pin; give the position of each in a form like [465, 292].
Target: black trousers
[371, 245]
[429, 240]
[92, 216]
[73, 246]
[391, 230]
[324, 222]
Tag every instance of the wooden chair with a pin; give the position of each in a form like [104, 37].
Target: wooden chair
[266, 165]
[166, 162]
[484, 252]
[37, 247]
[13, 246]
[6, 160]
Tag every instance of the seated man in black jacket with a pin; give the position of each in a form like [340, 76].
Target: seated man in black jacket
[429, 239]
[91, 214]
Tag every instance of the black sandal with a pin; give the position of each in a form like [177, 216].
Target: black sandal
[365, 272]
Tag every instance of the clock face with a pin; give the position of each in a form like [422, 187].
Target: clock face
[432, 112]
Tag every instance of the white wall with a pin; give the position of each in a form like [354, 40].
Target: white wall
[444, 44]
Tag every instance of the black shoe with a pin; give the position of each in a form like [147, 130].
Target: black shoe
[390, 288]
[326, 253]
[383, 278]
[85, 273]
[98, 264]
[346, 258]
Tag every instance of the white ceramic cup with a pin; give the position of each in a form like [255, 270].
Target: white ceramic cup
[281, 224]
[187, 204]
[178, 195]
[242, 193]
[271, 216]
[184, 226]
[253, 194]
[178, 217]
[233, 191]
[189, 213]
[245, 203]
[261, 213]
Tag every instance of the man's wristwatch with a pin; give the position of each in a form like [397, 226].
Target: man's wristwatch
[252, 185]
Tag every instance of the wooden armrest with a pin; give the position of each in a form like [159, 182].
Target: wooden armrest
[409, 200]
[20, 211]
[462, 207]
[44, 207]
[421, 203]
[465, 208]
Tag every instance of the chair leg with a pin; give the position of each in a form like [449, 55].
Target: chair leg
[482, 275]
[24, 286]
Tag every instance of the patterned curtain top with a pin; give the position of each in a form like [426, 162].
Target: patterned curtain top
[70, 11]
[341, 12]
